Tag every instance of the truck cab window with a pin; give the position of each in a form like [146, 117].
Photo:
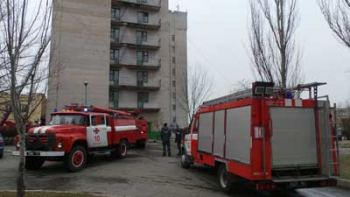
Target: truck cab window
[93, 121]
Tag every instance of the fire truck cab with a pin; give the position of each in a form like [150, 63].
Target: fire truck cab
[265, 136]
[79, 131]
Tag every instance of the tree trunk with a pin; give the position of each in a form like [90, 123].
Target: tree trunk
[20, 176]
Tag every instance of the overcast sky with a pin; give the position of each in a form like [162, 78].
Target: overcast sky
[218, 40]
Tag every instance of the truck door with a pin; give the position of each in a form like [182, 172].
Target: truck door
[97, 131]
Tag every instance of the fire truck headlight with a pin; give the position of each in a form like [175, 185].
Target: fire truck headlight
[59, 145]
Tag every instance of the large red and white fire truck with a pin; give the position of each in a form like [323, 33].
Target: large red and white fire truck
[79, 131]
[269, 138]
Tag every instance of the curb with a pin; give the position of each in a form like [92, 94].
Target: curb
[344, 183]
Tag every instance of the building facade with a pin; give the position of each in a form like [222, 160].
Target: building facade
[36, 108]
[131, 53]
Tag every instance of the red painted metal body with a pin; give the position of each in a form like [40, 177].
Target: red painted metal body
[260, 168]
[110, 128]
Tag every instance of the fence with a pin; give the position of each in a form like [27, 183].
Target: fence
[154, 135]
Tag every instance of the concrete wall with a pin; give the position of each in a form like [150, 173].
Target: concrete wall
[178, 49]
[80, 52]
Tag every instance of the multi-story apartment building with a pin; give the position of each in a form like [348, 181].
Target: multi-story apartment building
[132, 54]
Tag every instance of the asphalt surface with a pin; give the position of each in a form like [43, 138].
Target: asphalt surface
[143, 173]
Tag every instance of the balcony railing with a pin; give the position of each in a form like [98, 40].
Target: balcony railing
[153, 5]
[151, 43]
[134, 84]
[139, 105]
[135, 22]
[114, 61]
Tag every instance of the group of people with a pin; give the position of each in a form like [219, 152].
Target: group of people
[165, 135]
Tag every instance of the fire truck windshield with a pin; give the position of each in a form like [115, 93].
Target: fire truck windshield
[68, 120]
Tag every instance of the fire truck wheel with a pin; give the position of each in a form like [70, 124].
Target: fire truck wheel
[224, 179]
[184, 163]
[76, 159]
[34, 163]
[122, 149]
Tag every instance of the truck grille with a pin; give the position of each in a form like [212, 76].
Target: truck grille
[43, 142]
[42, 139]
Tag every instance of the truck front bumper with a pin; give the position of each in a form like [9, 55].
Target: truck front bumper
[40, 153]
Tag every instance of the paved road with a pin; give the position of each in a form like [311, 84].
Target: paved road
[143, 173]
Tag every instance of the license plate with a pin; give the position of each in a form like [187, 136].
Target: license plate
[33, 153]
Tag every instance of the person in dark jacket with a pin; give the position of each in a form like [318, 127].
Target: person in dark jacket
[178, 139]
[165, 135]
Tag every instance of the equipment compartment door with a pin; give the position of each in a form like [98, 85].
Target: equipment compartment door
[294, 137]
[97, 132]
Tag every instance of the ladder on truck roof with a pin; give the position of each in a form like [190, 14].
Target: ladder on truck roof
[232, 97]
[259, 89]
[252, 92]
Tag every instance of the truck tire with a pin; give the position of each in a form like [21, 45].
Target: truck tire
[184, 163]
[122, 149]
[76, 159]
[34, 163]
[224, 179]
[1, 155]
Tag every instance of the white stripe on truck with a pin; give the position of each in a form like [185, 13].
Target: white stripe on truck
[125, 128]
[44, 128]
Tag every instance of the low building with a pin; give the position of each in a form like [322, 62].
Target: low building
[37, 108]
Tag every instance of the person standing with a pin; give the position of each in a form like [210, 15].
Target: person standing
[178, 139]
[165, 135]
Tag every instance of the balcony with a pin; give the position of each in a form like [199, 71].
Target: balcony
[135, 42]
[151, 5]
[115, 63]
[131, 62]
[129, 83]
[141, 65]
[136, 22]
[147, 107]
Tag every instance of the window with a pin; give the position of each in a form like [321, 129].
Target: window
[173, 48]
[142, 97]
[115, 34]
[142, 77]
[67, 120]
[142, 56]
[173, 37]
[143, 17]
[114, 56]
[116, 13]
[113, 99]
[173, 60]
[114, 77]
[98, 120]
[141, 36]
[174, 72]
[174, 107]
[142, 1]
[174, 83]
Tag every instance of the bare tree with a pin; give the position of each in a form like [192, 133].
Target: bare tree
[274, 53]
[196, 90]
[337, 15]
[25, 37]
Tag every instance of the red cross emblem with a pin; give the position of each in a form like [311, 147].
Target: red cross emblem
[96, 131]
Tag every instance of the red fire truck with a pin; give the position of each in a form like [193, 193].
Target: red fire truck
[267, 137]
[79, 131]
